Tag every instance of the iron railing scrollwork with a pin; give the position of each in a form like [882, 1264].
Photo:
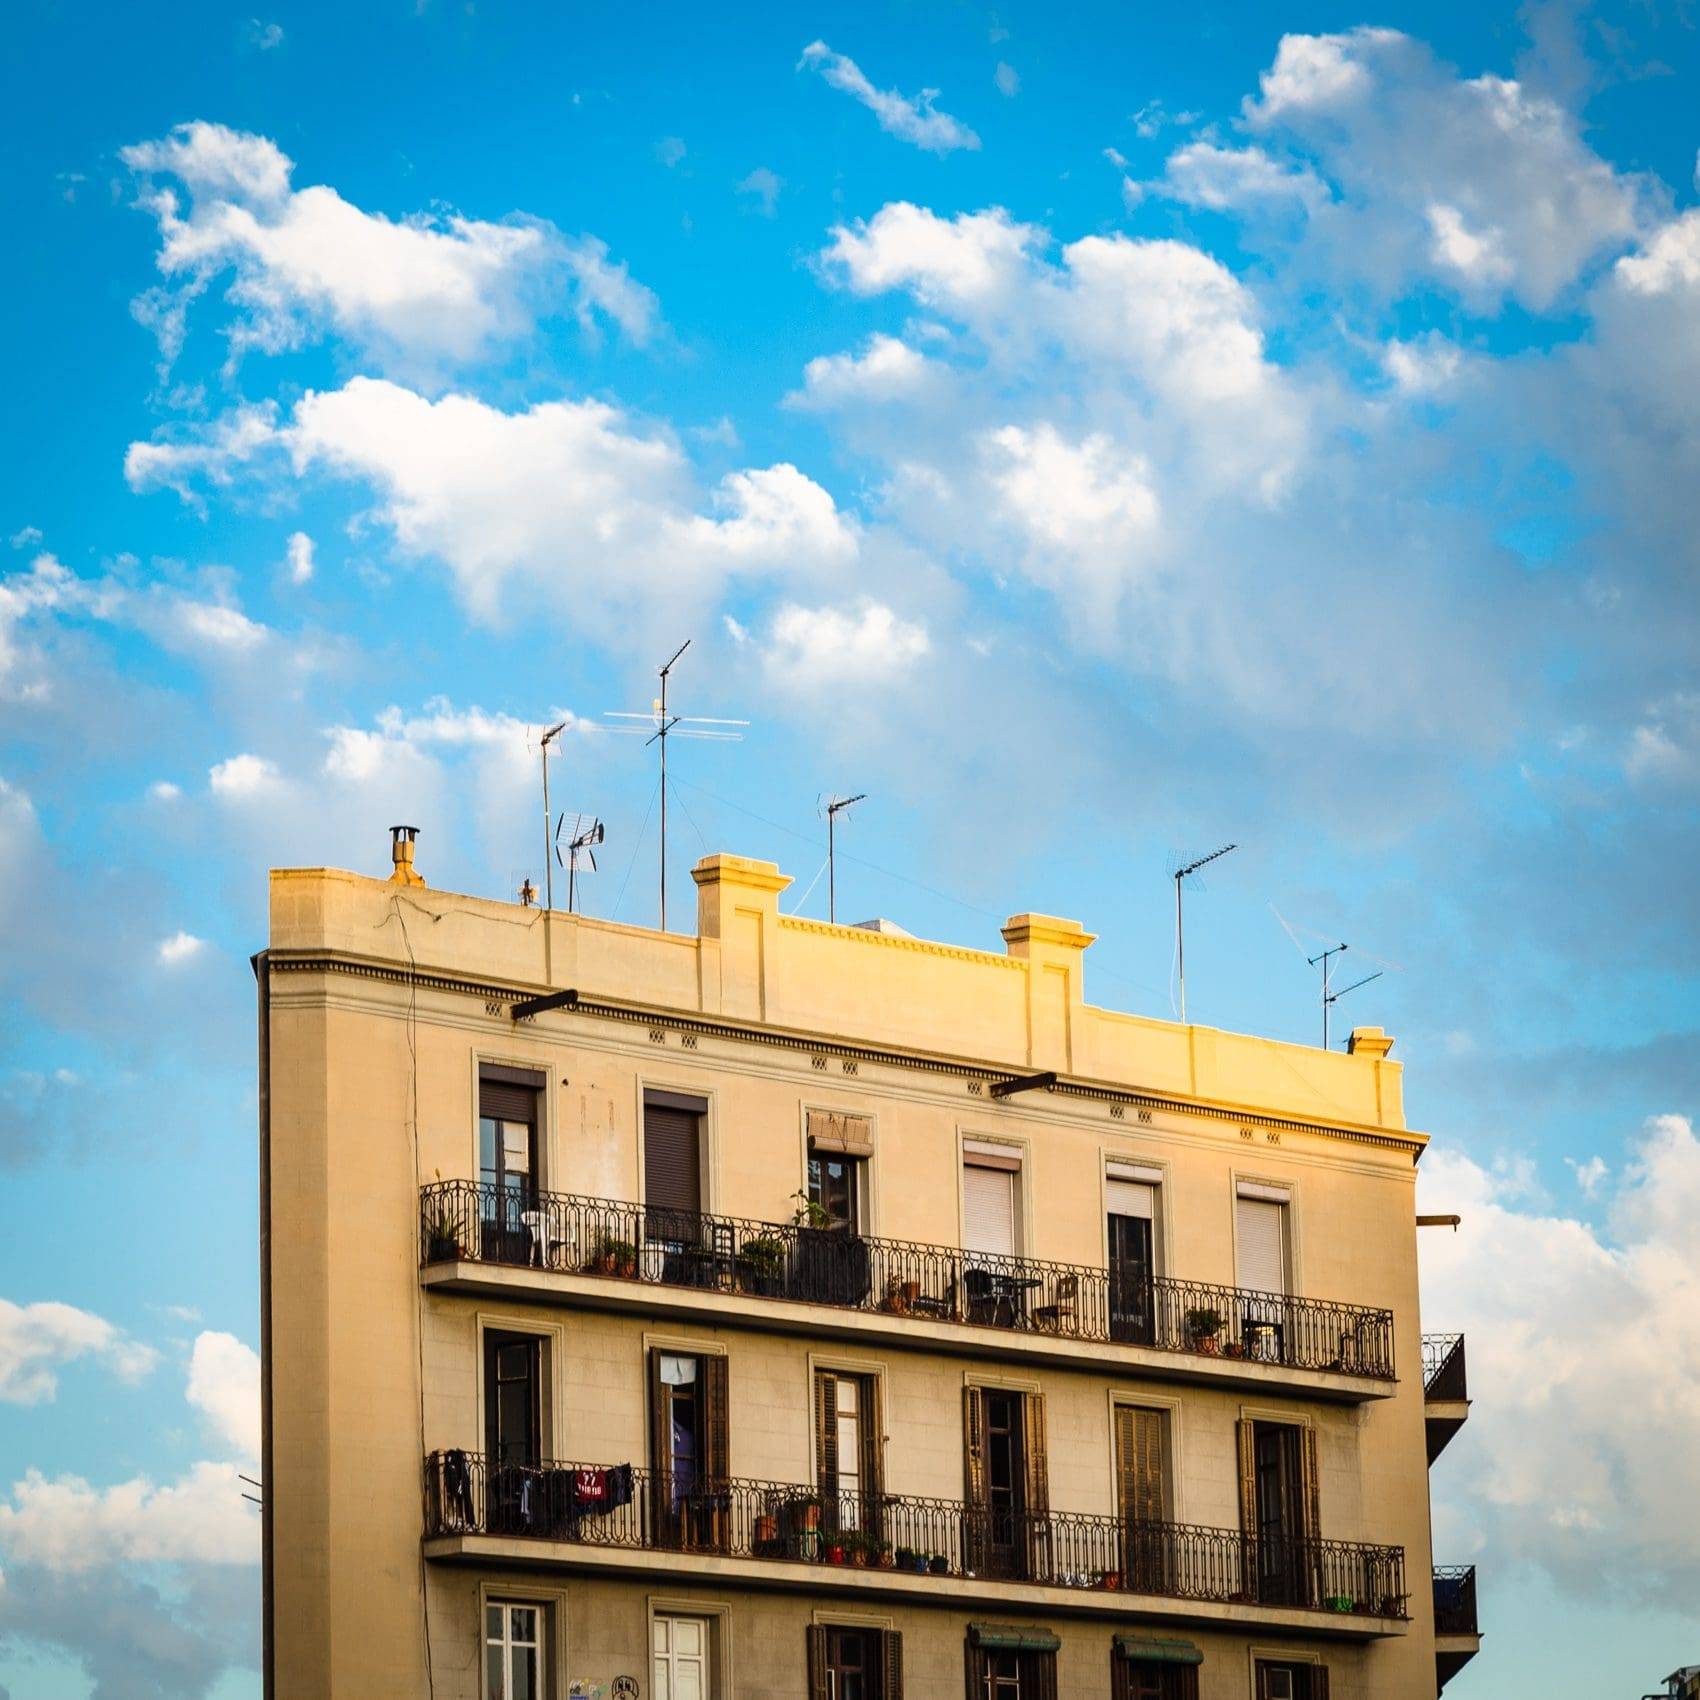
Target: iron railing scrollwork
[563, 1231]
[1443, 1367]
[638, 1508]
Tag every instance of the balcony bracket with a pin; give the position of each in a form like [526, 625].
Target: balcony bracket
[528, 1007]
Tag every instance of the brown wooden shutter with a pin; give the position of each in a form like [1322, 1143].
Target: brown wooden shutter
[508, 1094]
[1186, 1682]
[660, 1448]
[975, 1672]
[891, 1654]
[974, 1491]
[1246, 1430]
[1308, 1475]
[826, 1432]
[1141, 1483]
[1038, 1480]
[816, 1636]
[717, 1446]
[1121, 1674]
[672, 1157]
[1046, 1666]
[1319, 1682]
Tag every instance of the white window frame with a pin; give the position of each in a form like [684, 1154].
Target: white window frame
[509, 1645]
[671, 1616]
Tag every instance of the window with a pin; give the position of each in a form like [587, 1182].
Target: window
[1152, 1555]
[847, 1449]
[1280, 1680]
[840, 1146]
[679, 1661]
[1279, 1512]
[508, 1170]
[1131, 1204]
[1260, 1222]
[513, 1651]
[1005, 1481]
[1010, 1663]
[688, 1447]
[1154, 1667]
[672, 1163]
[991, 1197]
[513, 1402]
[854, 1663]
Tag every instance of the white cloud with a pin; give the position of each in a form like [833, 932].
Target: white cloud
[421, 291]
[37, 1340]
[764, 186]
[210, 456]
[670, 150]
[217, 626]
[964, 263]
[224, 1386]
[807, 650]
[358, 755]
[1584, 1353]
[1008, 79]
[1202, 174]
[911, 118]
[299, 557]
[1425, 365]
[180, 947]
[1086, 513]
[1665, 747]
[570, 500]
[1590, 1174]
[164, 791]
[242, 776]
[66, 1525]
[264, 36]
[887, 370]
[1476, 183]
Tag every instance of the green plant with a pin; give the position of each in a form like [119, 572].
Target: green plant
[763, 1256]
[613, 1254]
[1203, 1323]
[809, 1213]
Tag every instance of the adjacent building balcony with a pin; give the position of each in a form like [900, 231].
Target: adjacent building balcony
[785, 1535]
[559, 1247]
[1457, 1636]
[1446, 1397]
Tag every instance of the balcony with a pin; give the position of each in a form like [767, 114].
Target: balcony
[1457, 1637]
[1446, 1399]
[558, 1247]
[783, 1535]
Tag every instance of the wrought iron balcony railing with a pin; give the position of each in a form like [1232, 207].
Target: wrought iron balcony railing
[1455, 1599]
[632, 1507]
[1443, 1367]
[474, 1220]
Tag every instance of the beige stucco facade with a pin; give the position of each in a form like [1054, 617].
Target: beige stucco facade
[380, 1002]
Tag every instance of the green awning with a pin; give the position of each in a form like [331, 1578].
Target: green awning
[1158, 1650]
[1012, 1638]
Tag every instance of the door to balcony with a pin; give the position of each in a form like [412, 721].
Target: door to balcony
[1131, 1272]
[1279, 1495]
[1142, 1490]
[1005, 1525]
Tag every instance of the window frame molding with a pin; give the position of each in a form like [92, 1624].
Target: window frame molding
[870, 1201]
[1290, 1222]
[1138, 1398]
[552, 1383]
[1161, 1221]
[547, 1173]
[717, 1614]
[553, 1604]
[1020, 1147]
[708, 1156]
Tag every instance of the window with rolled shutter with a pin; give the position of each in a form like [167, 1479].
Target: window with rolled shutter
[1130, 1198]
[988, 1210]
[672, 1153]
[1262, 1232]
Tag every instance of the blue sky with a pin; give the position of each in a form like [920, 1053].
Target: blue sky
[1186, 425]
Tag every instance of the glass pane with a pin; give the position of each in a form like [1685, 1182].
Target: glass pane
[524, 1624]
[525, 1673]
[486, 1149]
[493, 1623]
[495, 1676]
[689, 1636]
[516, 1147]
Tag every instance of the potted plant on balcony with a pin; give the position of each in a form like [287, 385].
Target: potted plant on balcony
[831, 1264]
[761, 1266]
[1340, 1602]
[1109, 1579]
[938, 1564]
[882, 1553]
[442, 1242]
[1203, 1325]
[835, 1550]
[612, 1256]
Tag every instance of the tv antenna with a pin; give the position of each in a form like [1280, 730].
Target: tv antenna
[1331, 997]
[1181, 876]
[666, 725]
[585, 835]
[833, 809]
[548, 871]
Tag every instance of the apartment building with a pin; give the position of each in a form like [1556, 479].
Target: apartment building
[799, 1310]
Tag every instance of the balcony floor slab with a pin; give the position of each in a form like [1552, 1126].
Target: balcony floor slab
[827, 1322]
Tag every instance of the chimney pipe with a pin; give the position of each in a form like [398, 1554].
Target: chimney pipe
[401, 854]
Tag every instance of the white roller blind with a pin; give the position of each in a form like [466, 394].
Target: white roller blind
[988, 1210]
[1263, 1244]
[1131, 1198]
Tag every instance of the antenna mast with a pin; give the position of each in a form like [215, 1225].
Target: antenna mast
[548, 870]
[587, 833]
[687, 726]
[832, 812]
[1181, 876]
[1330, 998]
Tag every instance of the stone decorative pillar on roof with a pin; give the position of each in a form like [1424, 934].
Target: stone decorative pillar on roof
[738, 910]
[1052, 948]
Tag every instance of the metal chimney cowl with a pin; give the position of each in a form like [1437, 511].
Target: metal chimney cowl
[401, 854]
